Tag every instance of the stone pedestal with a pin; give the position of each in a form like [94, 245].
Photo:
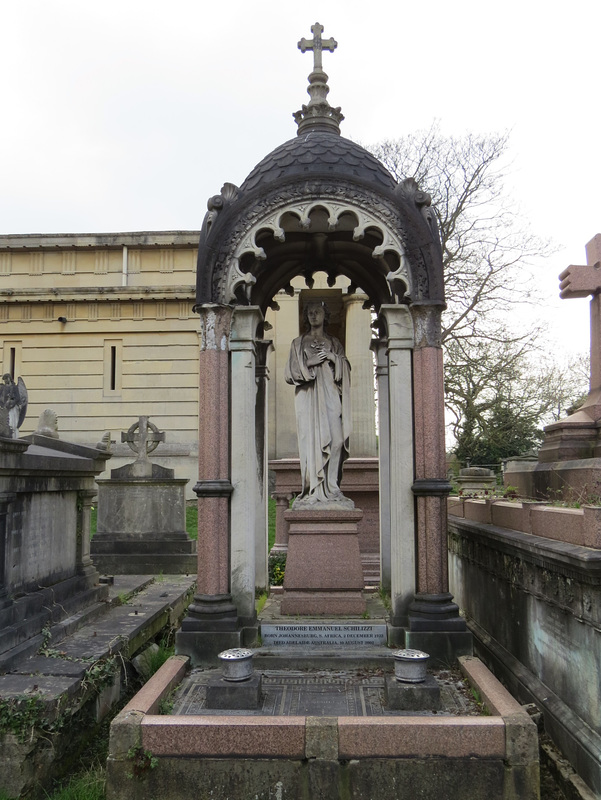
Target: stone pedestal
[359, 483]
[142, 526]
[323, 569]
[423, 696]
[223, 694]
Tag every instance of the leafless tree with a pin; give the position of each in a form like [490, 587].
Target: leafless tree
[493, 360]
[487, 245]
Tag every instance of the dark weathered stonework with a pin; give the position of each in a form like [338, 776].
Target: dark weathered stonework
[322, 165]
[534, 605]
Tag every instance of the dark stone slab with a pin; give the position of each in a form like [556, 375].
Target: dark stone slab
[145, 563]
[412, 696]
[322, 693]
[49, 688]
[42, 665]
[224, 694]
[443, 647]
[203, 646]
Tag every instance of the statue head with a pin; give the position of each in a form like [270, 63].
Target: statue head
[319, 303]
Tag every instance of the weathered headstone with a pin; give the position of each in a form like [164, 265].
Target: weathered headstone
[46, 575]
[142, 513]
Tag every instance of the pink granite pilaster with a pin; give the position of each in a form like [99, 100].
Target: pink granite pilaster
[212, 611]
[213, 450]
[430, 465]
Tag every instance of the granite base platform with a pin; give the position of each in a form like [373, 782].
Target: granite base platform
[323, 568]
[238, 755]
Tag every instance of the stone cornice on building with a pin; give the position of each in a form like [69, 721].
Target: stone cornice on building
[86, 241]
[97, 294]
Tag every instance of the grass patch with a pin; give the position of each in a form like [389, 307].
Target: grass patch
[88, 785]
[260, 602]
[157, 658]
[192, 521]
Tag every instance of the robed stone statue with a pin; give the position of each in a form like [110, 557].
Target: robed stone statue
[319, 370]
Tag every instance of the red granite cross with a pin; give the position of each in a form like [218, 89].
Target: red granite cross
[582, 281]
[317, 44]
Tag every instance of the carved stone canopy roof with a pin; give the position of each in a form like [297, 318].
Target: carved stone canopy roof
[319, 153]
[319, 203]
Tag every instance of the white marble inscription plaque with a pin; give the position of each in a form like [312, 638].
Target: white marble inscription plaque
[323, 635]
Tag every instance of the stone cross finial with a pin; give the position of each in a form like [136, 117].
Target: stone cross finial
[318, 113]
[143, 437]
[317, 44]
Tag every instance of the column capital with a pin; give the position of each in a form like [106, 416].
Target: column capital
[355, 297]
[244, 327]
[215, 326]
[399, 326]
[426, 325]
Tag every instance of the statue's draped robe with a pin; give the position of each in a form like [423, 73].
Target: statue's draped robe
[323, 418]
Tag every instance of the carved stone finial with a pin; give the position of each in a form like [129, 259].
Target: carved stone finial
[317, 45]
[48, 424]
[105, 444]
[319, 113]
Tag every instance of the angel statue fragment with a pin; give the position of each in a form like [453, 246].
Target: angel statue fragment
[13, 401]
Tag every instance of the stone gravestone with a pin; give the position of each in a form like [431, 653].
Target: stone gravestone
[142, 514]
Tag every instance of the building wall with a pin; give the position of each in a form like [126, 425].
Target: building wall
[101, 330]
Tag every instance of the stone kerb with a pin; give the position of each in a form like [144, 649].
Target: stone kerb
[578, 526]
[499, 751]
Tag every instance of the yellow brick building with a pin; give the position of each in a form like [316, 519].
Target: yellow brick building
[101, 329]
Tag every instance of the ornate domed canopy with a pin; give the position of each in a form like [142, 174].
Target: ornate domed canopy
[319, 153]
[319, 202]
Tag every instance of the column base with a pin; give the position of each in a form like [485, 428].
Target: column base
[211, 612]
[435, 612]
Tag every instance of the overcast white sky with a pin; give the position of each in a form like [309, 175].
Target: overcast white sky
[127, 115]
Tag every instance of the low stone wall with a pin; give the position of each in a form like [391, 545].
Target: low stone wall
[581, 526]
[458, 758]
[534, 605]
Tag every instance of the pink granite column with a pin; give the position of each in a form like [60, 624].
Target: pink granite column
[430, 463]
[212, 608]
[432, 609]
